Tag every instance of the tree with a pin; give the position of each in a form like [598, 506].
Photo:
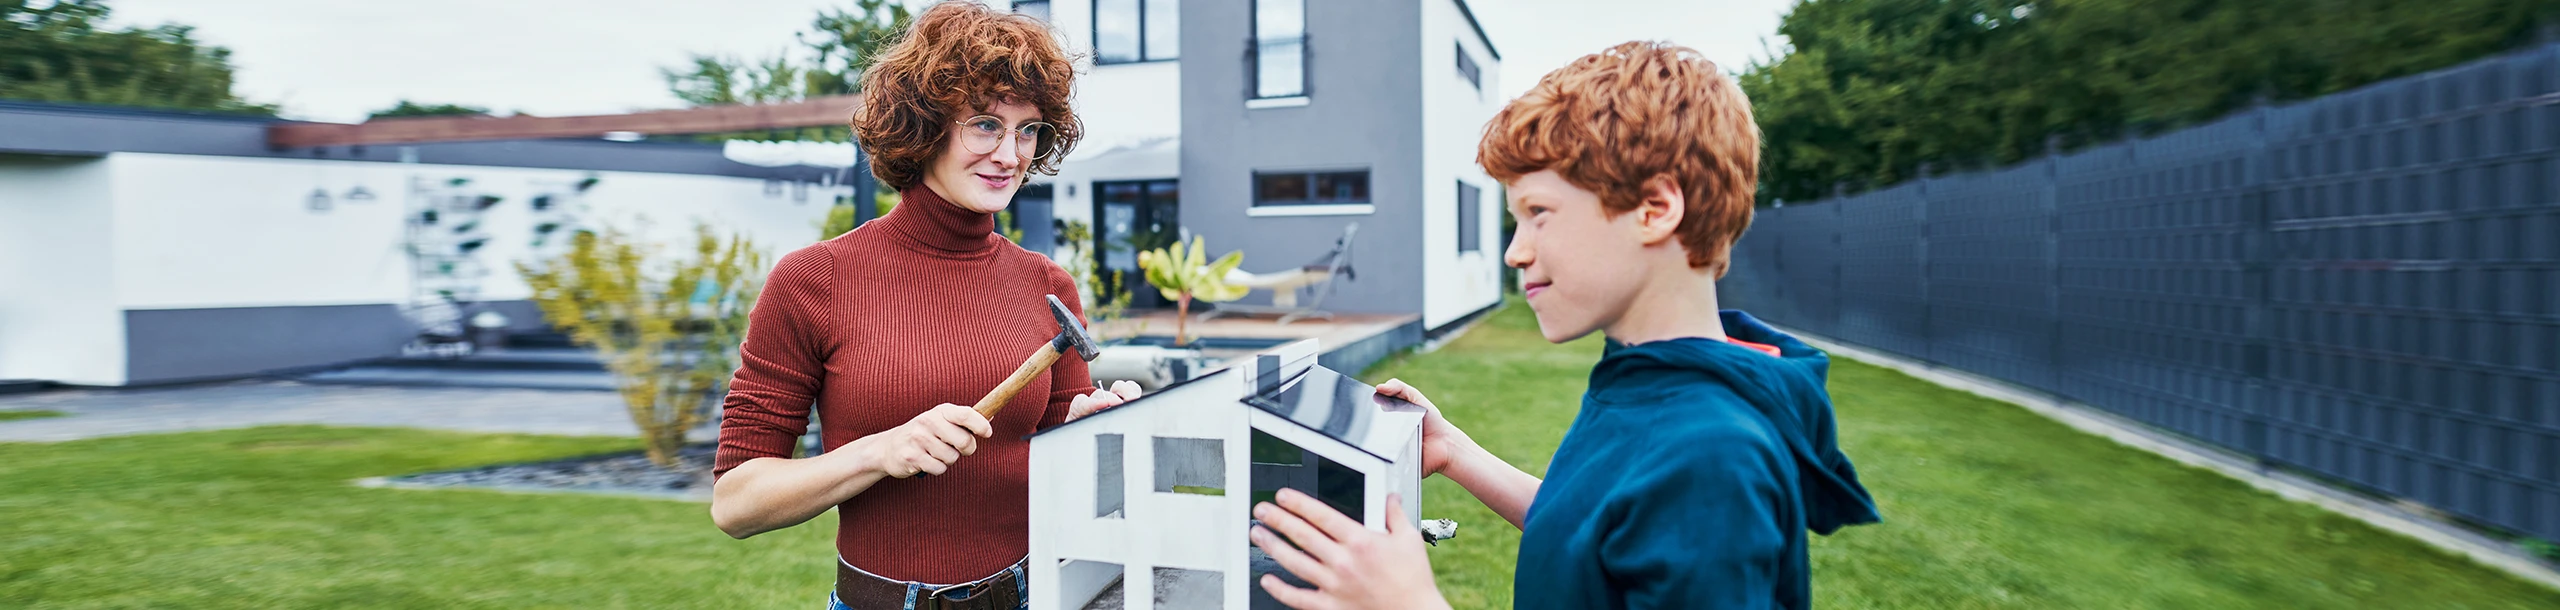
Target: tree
[408, 108]
[845, 42]
[668, 330]
[1868, 91]
[60, 53]
[838, 46]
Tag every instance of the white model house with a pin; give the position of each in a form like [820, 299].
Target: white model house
[1156, 495]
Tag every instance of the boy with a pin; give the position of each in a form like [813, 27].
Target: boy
[1704, 447]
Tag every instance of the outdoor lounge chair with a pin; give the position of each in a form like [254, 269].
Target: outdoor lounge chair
[1316, 279]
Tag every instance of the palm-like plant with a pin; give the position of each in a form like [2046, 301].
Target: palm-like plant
[1183, 276]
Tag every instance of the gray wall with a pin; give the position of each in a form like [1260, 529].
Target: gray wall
[168, 345]
[1365, 111]
[2364, 286]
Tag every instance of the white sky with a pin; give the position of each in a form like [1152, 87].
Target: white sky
[335, 60]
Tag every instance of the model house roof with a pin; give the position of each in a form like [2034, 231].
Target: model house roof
[1319, 399]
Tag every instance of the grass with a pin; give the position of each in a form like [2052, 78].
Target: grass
[265, 518]
[1986, 505]
[36, 414]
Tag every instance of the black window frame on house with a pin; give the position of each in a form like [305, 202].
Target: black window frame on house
[1269, 187]
[1044, 14]
[1468, 67]
[1146, 51]
[1155, 222]
[1470, 218]
[1254, 43]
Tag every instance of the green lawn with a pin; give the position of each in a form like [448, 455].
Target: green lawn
[1985, 504]
[17, 415]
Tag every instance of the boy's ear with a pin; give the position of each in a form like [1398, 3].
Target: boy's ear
[1660, 212]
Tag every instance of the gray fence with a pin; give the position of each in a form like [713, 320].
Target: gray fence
[2364, 286]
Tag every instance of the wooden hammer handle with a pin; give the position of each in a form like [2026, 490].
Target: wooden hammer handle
[1039, 363]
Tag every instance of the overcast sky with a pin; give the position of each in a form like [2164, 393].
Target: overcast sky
[334, 60]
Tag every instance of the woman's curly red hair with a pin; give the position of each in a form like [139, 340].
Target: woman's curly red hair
[960, 58]
[1612, 120]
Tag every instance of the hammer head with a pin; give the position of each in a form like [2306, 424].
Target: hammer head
[1071, 334]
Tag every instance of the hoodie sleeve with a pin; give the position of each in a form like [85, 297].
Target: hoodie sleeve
[1698, 527]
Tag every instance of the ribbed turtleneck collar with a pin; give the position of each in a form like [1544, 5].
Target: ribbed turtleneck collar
[936, 224]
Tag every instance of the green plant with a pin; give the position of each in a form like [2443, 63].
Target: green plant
[1085, 268]
[2542, 548]
[1184, 277]
[666, 329]
[839, 220]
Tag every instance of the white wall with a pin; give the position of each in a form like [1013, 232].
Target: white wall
[58, 319]
[1120, 104]
[204, 231]
[1453, 118]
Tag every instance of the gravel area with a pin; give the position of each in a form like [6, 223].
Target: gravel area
[617, 473]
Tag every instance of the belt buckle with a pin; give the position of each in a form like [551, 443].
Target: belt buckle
[967, 589]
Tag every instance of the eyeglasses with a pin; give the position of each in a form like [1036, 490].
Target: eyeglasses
[983, 134]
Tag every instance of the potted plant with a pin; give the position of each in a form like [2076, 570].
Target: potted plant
[1183, 277]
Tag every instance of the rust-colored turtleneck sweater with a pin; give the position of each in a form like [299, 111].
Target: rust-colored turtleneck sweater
[922, 307]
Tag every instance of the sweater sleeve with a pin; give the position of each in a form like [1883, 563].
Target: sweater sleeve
[1071, 376]
[1699, 527]
[780, 364]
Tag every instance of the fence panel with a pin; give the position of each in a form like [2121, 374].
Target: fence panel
[2364, 286]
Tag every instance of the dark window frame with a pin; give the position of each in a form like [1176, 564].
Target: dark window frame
[1253, 54]
[1095, 25]
[1468, 67]
[1312, 195]
[1470, 218]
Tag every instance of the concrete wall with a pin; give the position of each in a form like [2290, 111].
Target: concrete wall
[1128, 110]
[58, 317]
[1363, 111]
[145, 267]
[1455, 283]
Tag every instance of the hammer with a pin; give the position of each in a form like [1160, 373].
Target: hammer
[1071, 336]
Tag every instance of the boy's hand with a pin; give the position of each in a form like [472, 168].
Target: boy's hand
[1441, 441]
[1350, 566]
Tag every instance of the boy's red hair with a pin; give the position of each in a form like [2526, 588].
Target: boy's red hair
[1614, 119]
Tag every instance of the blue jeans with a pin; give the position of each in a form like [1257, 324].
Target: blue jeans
[917, 591]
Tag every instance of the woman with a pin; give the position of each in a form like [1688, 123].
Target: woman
[892, 329]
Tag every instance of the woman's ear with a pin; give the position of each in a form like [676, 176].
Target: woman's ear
[1660, 212]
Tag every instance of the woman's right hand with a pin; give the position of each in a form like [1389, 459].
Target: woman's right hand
[928, 444]
[1441, 440]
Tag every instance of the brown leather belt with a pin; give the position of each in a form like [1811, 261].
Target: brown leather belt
[863, 591]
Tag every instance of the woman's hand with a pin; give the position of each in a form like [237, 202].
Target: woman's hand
[928, 444]
[1121, 391]
[1350, 566]
[1441, 440]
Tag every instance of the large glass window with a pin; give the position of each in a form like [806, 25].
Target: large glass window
[1126, 31]
[1279, 48]
[1134, 216]
[1311, 188]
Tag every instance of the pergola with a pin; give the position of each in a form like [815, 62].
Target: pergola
[815, 112]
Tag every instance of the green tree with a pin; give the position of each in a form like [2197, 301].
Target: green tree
[61, 52]
[408, 108]
[1866, 92]
[836, 48]
[844, 43]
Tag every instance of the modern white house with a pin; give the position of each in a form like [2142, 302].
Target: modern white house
[1156, 495]
[1269, 126]
[142, 246]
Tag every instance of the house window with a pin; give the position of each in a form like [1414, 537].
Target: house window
[1191, 466]
[1310, 188]
[1129, 31]
[1038, 9]
[1467, 68]
[1279, 53]
[1110, 486]
[1470, 218]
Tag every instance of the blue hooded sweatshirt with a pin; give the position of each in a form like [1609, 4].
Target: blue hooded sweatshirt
[1689, 478]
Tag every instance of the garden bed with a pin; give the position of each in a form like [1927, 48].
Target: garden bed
[628, 473]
